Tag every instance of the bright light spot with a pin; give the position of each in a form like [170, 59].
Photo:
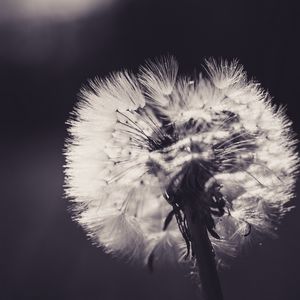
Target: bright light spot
[32, 9]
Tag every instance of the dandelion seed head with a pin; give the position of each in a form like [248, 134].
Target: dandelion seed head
[135, 138]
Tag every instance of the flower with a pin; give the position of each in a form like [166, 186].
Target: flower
[134, 140]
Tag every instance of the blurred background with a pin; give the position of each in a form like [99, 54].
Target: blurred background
[48, 49]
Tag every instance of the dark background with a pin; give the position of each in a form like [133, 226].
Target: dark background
[43, 62]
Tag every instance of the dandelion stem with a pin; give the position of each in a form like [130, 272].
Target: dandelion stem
[204, 254]
[195, 202]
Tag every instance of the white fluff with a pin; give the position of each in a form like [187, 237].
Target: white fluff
[113, 132]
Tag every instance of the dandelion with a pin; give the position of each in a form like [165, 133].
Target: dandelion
[165, 168]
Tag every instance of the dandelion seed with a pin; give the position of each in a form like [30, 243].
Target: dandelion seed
[161, 167]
